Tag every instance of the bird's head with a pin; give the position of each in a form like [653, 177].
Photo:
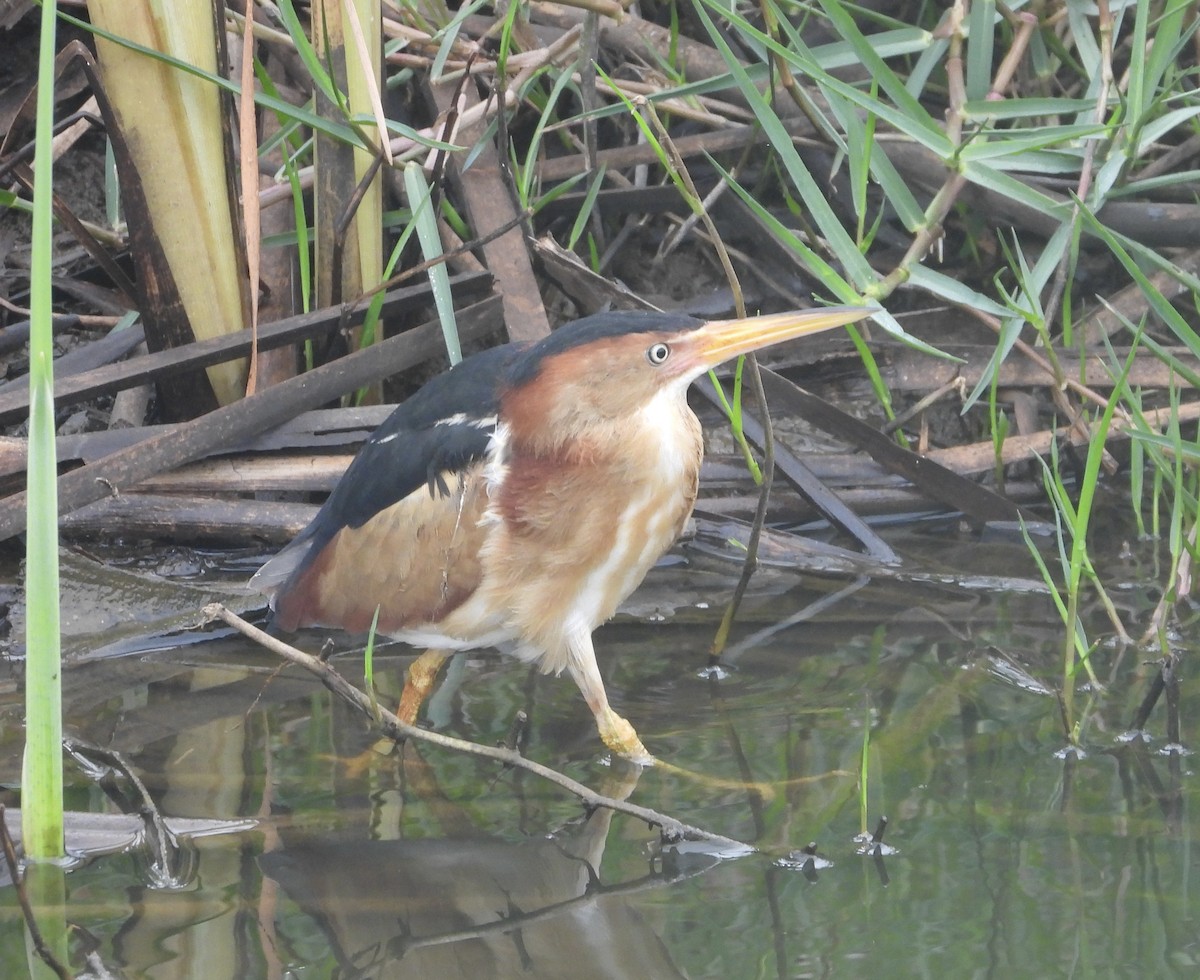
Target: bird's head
[603, 368]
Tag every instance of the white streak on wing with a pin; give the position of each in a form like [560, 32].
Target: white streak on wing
[461, 418]
[495, 470]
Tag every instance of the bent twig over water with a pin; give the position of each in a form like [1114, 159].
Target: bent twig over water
[670, 829]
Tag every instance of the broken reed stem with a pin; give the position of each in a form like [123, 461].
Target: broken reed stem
[391, 726]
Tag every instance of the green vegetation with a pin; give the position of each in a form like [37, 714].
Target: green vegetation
[42, 779]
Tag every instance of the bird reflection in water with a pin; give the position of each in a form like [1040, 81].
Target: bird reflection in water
[471, 906]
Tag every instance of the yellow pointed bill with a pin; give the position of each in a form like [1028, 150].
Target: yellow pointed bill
[720, 340]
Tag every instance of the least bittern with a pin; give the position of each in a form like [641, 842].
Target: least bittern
[516, 500]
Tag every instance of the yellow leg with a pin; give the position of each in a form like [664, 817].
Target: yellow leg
[621, 737]
[418, 682]
[616, 732]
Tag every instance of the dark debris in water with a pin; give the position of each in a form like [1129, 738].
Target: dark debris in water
[806, 861]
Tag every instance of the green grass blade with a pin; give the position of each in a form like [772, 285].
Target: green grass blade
[1025, 108]
[449, 35]
[857, 268]
[997, 180]
[980, 47]
[910, 118]
[1031, 283]
[826, 274]
[369, 667]
[886, 44]
[1091, 472]
[891, 84]
[370, 325]
[308, 55]
[955, 291]
[585, 209]
[557, 191]
[420, 201]
[1125, 250]
[1009, 150]
[525, 188]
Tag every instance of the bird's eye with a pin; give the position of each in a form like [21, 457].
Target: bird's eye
[658, 353]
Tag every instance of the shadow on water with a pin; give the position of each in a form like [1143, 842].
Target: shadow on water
[1008, 860]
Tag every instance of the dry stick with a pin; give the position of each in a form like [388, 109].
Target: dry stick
[488, 196]
[127, 292]
[239, 420]
[553, 53]
[1032, 355]
[711, 112]
[104, 378]
[1181, 589]
[251, 213]
[159, 840]
[641, 154]
[465, 248]
[589, 51]
[781, 68]
[979, 457]
[405, 148]
[1153, 693]
[437, 165]
[671, 829]
[955, 384]
[608, 8]
[1170, 161]
[515, 920]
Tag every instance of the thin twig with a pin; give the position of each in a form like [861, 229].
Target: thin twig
[391, 726]
[162, 843]
[750, 565]
[447, 256]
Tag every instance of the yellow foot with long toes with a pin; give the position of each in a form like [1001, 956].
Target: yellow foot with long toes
[357, 766]
[418, 682]
[766, 791]
[621, 737]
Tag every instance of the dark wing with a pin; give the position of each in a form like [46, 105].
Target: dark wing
[440, 432]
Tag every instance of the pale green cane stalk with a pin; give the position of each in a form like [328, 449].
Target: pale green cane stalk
[41, 786]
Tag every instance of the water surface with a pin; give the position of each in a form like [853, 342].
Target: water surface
[1006, 858]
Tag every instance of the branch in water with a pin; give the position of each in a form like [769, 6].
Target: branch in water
[670, 829]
